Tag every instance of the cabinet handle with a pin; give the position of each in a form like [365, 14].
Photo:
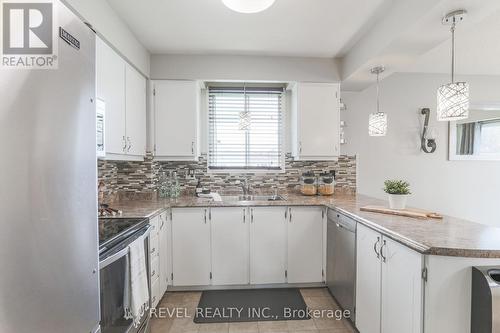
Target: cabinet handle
[375, 247]
[129, 144]
[290, 213]
[300, 147]
[205, 216]
[286, 213]
[384, 258]
[210, 214]
[192, 147]
[251, 215]
[124, 143]
[244, 216]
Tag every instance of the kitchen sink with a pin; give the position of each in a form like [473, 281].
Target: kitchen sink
[233, 198]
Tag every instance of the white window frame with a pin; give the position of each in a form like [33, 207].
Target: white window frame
[284, 119]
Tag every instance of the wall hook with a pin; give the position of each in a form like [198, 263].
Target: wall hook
[427, 145]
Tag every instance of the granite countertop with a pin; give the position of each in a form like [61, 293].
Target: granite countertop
[447, 237]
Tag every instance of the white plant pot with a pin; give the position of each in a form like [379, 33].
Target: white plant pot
[397, 201]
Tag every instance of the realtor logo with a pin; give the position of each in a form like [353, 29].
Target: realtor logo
[28, 37]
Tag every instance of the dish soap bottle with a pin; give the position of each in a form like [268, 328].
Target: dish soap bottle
[199, 188]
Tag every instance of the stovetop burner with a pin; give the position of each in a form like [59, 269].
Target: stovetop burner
[111, 230]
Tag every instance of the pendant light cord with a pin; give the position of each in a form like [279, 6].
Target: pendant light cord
[453, 50]
[378, 94]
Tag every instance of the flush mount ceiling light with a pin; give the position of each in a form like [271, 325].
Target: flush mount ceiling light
[248, 6]
[377, 124]
[453, 98]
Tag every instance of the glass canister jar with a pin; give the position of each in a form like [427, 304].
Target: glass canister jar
[326, 184]
[309, 184]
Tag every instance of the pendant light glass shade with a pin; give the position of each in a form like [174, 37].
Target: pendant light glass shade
[453, 101]
[248, 6]
[377, 124]
[453, 98]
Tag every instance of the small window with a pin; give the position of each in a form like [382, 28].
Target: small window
[490, 137]
[245, 128]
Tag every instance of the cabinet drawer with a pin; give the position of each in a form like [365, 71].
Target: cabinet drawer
[155, 293]
[155, 225]
[155, 269]
[154, 246]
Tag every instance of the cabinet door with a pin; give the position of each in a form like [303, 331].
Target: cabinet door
[267, 245]
[318, 122]
[176, 105]
[190, 247]
[305, 244]
[229, 245]
[135, 104]
[110, 85]
[401, 289]
[368, 280]
[164, 252]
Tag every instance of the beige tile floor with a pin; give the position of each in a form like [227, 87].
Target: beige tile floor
[317, 298]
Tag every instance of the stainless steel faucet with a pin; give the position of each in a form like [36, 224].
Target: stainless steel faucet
[245, 187]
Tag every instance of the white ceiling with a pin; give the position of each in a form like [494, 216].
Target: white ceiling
[477, 51]
[307, 28]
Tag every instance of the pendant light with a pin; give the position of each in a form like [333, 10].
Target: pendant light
[248, 6]
[453, 98]
[377, 124]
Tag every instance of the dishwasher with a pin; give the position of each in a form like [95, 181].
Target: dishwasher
[341, 260]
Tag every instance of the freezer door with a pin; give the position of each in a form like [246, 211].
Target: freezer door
[48, 197]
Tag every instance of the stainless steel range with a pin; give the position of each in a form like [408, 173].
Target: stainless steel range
[115, 236]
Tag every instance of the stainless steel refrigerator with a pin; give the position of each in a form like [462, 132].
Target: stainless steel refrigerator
[48, 200]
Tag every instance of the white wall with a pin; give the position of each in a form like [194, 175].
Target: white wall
[241, 68]
[465, 189]
[109, 26]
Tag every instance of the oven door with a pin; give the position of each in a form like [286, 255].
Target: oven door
[112, 283]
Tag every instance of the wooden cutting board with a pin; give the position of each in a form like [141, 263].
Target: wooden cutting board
[418, 214]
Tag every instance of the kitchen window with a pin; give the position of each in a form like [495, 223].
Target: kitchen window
[245, 128]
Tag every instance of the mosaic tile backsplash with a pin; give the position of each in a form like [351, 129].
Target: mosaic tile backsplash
[141, 178]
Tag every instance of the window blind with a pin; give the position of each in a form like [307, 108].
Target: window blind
[245, 128]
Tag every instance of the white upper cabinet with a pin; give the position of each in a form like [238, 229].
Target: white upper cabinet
[135, 104]
[123, 91]
[315, 119]
[176, 116]
[267, 245]
[229, 245]
[110, 84]
[305, 244]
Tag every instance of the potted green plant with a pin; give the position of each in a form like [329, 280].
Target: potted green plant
[398, 191]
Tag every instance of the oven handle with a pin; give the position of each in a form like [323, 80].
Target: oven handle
[118, 255]
[109, 260]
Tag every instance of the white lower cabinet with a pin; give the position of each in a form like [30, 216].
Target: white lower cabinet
[255, 245]
[305, 244]
[155, 293]
[368, 281]
[267, 245]
[164, 250]
[154, 260]
[190, 247]
[389, 285]
[229, 232]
